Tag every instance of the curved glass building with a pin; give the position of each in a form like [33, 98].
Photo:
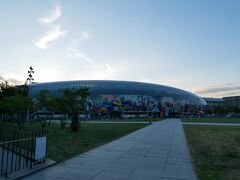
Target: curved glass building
[129, 97]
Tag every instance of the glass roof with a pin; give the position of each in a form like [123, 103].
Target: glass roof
[97, 87]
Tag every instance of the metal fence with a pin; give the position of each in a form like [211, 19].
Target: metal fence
[19, 150]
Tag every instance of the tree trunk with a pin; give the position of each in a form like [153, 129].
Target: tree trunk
[74, 124]
[63, 121]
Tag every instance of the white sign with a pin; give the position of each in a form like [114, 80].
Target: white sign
[40, 151]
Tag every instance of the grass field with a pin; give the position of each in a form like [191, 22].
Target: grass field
[215, 151]
[64, 144]
[129, 120]
[213, 120]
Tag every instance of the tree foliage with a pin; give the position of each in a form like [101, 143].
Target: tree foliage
[7, 90]
[16, 107]
[14, 102]
[73, 101]
[44, 102]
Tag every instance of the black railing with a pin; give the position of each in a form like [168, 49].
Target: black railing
[18, 150]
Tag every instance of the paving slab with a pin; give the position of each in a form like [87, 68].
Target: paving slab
[158, 151]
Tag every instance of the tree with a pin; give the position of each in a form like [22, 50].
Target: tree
[16, 107]
[45, 102]
[23, 89]
[73, 101]
[7, 90]
[61, 107]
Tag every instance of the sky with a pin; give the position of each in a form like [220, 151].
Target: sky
[191, 45]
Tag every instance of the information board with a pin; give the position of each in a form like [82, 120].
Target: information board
[40, 151]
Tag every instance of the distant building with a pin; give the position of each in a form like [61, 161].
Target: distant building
[232, 101]
[214, 105]
[222, 105]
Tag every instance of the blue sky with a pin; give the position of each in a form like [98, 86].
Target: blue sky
[193, 45]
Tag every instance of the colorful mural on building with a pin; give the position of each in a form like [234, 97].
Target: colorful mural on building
[126, 103]
[122, 104]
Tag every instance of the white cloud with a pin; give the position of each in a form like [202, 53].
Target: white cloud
[93, 69]
[53, 15]
[55, 33]
[108, 69]
[219, 90]
[74, 52]
[85, 36]
[11, 78]
[97, 71]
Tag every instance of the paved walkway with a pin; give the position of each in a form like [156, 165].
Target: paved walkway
[158, 151]
[108, 122]
[211, 124]
[119, 122]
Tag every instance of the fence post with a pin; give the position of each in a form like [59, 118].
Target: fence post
[15, 145]
[33, 137]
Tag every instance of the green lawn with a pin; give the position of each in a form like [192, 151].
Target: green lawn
[213, 120]
[215, 151]
[64, 144]
[130, 120]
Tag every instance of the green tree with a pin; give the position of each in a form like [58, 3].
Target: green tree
[45, 102]
[7, 90]
[73, 101]
[16, 107]
[61, 107]
[23, 89]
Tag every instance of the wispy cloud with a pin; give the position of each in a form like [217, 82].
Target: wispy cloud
[52, 16]
[85, 36]
[237, 93]
[109, 70]
[219, 90]
[99, 70]
[11, 78]
[212, 90]
[55, 33]
[74, 52]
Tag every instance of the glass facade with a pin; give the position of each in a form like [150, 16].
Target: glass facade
[127, 96]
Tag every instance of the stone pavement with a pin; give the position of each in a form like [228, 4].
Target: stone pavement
[158, 151]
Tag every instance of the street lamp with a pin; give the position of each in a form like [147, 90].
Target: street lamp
[29, 82]
[30, 76]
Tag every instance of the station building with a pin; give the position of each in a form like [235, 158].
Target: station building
[129, 98]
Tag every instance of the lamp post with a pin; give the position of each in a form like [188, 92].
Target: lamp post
[29, 81]
[30, 77]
